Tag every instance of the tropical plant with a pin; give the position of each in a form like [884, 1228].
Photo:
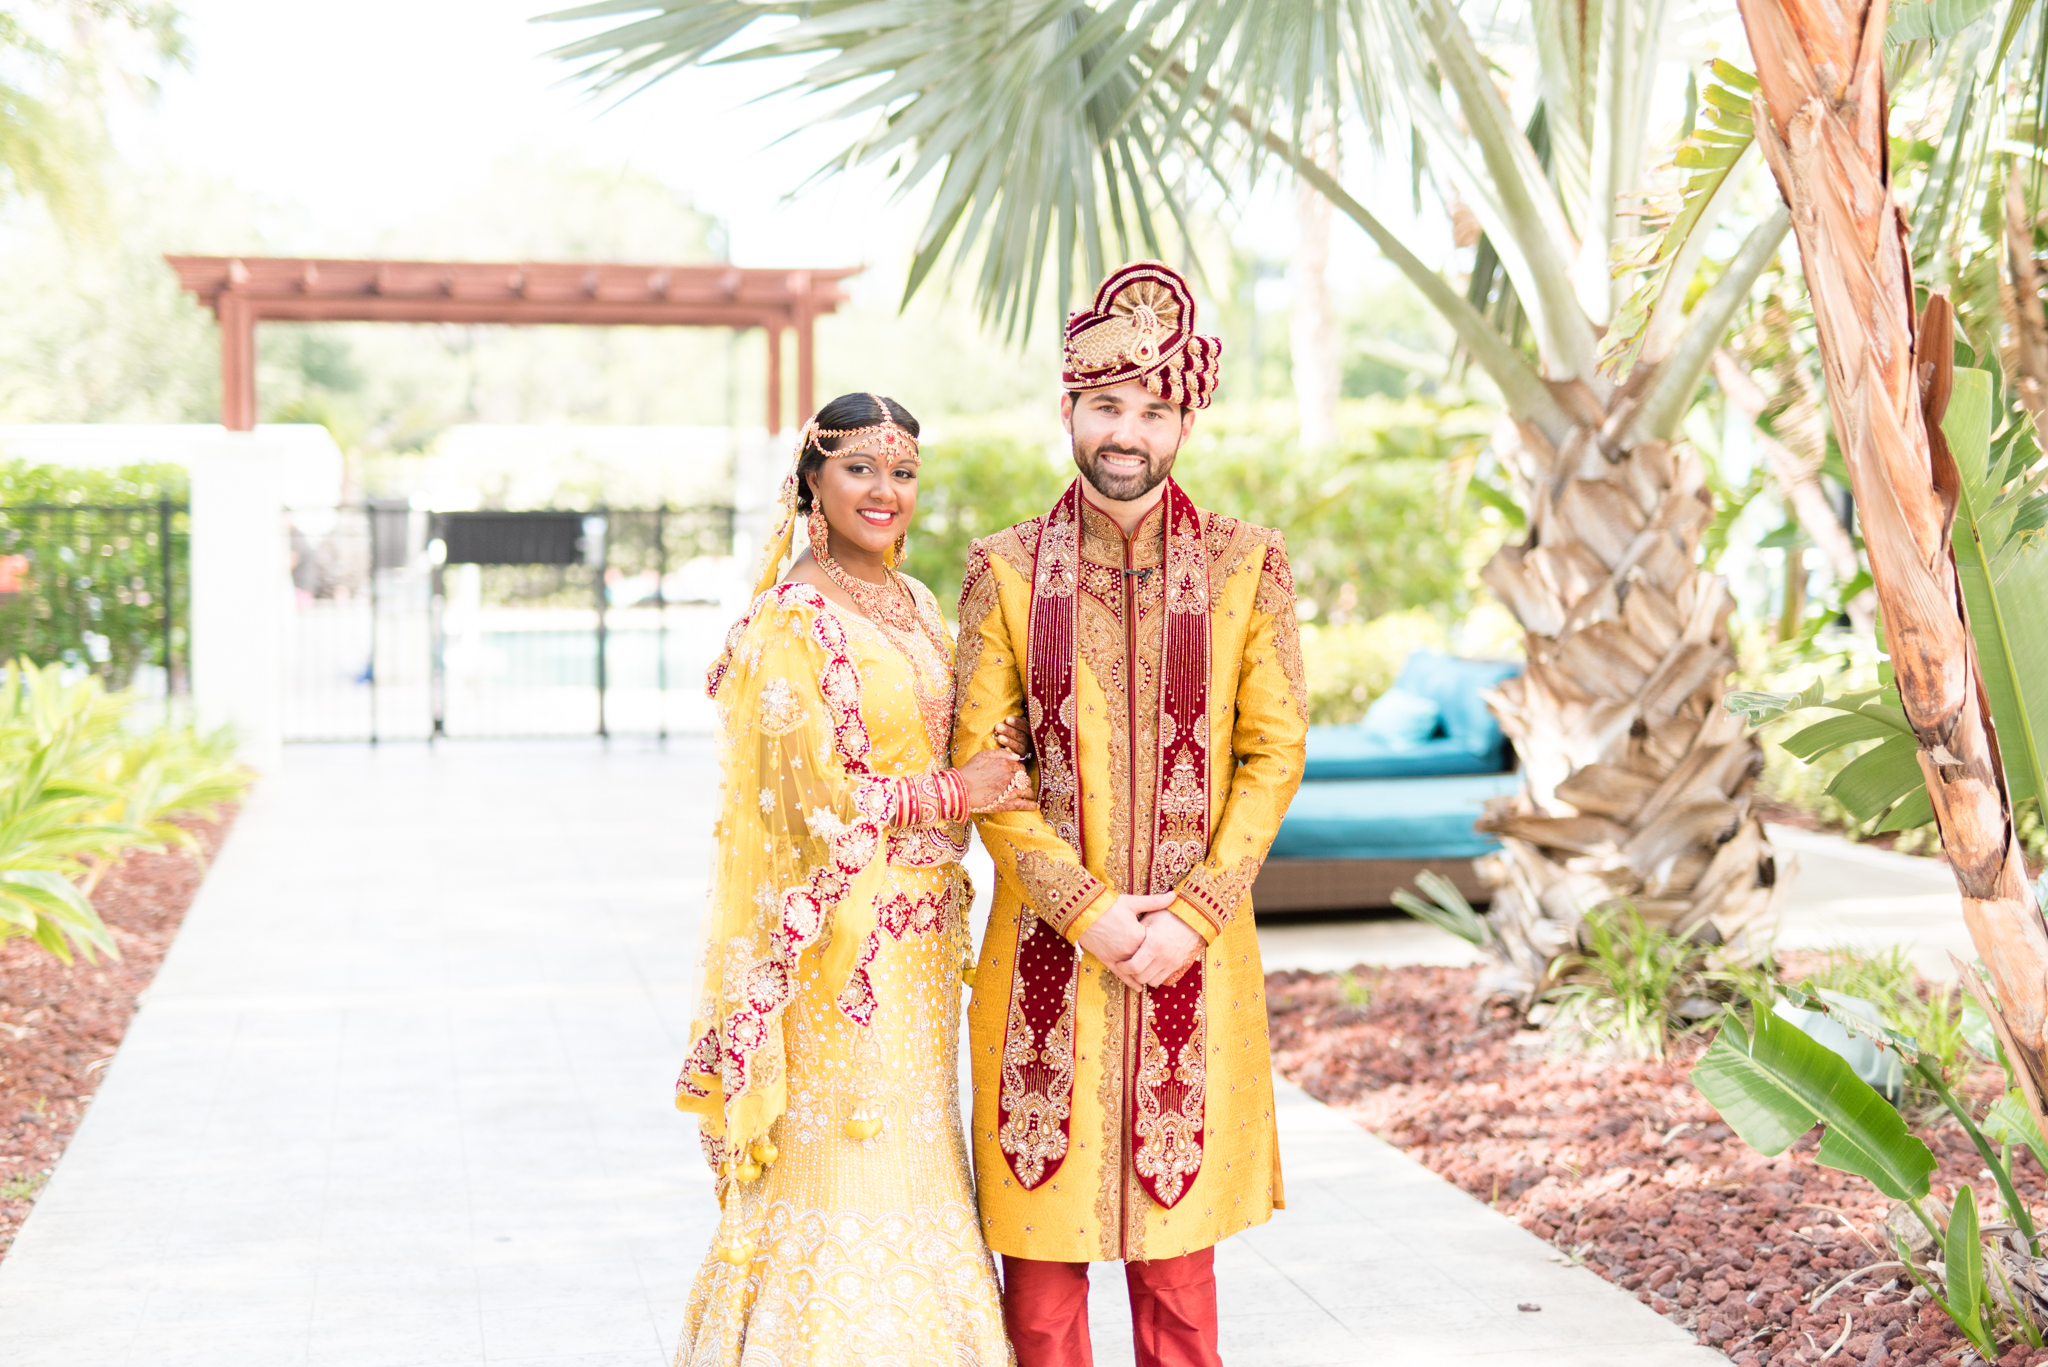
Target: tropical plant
[1443, 906]
[1630, 988]
[1962, 713]
[1773, 1082]
[1939, 1016]
[1062, 134]
[78, 788]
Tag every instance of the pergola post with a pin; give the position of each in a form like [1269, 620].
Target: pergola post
[237, 362]
[774, 379]
[806, 370]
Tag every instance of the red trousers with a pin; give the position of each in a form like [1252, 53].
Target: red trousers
[1173, 1311]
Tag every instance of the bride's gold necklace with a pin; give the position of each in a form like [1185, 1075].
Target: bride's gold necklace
[888, 603]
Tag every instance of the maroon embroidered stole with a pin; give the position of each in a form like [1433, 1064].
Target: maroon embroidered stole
[1035, 1101]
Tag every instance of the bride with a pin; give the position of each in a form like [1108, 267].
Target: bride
[822, 1059]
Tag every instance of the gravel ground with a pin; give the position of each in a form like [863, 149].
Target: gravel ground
[60, 1024]
[1623, 1166]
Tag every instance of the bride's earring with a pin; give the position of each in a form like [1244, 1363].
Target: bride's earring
[896, 551]
[819, 530]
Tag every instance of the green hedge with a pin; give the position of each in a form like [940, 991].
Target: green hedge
[89, 584]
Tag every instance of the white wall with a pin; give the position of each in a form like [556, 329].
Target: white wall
[241, 560]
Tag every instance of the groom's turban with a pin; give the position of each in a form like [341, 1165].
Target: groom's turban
[1142, 327]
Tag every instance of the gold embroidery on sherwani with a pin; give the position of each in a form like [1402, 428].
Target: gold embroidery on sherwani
[1109, 1095]
[1275, 598]
[1096, 1206]
[1219, 892]
[1058, 890]
[1104, 638]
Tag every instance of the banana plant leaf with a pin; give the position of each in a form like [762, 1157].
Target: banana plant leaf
[1837, 731]
[1870, 783]
[2010, 1121]
[2004, 576]
[1963, 1252]
[1776, 1084]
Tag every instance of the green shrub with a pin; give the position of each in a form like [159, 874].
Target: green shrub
[971, 487]
[1630, 987]
[91, 584]
[78, 788]
[1377, 526]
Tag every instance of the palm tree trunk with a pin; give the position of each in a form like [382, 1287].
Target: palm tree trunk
[1637, 782]
[1821, 117]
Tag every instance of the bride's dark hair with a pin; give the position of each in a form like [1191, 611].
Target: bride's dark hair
[846, 411]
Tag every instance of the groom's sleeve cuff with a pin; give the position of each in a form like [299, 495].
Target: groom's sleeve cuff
[1089, 915]
[1195, 917]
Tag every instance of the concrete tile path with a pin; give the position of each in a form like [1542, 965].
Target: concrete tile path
[399, 1098]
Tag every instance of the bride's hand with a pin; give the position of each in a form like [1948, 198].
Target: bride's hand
[996, 782]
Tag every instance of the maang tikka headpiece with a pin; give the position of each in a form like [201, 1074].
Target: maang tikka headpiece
[886, 437]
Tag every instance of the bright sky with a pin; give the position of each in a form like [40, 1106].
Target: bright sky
[363, 116]
[358, 119]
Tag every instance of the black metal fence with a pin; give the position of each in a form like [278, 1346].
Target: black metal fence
[103, 587]
[418, 625]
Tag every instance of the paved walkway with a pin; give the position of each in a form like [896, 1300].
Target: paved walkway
[399, 1098]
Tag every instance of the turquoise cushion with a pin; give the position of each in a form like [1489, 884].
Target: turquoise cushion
[1401, 818]
[1468, 740]
[1400, 718]
[1336, 752]
[1455, 686]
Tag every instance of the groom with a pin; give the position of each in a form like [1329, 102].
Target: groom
[1123, 1097]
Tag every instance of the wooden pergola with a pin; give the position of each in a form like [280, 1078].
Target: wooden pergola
[243, 291]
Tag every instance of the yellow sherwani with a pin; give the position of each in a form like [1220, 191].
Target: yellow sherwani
[1093, 1206]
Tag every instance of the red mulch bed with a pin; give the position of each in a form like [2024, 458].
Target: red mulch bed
[1625, 1167]
[60, 1024]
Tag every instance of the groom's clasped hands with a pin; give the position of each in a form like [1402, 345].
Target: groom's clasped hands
[1141, 941]
[1138, 939]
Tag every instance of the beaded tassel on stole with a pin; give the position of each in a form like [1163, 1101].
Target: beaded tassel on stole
[863, 1120]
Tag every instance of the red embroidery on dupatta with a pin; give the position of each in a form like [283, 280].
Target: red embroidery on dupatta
[766, 985]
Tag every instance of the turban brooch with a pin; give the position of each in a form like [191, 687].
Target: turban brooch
[1142, 327]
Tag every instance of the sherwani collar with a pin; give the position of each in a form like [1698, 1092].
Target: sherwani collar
[1103, 541]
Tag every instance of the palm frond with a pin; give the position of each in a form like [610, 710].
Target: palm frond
[1679, 219]
[1032, 117]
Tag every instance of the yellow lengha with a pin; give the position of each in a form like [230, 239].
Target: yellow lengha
[1094, 1205]
[835, 1249]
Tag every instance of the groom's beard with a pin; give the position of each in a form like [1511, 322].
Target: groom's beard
[1121, 486]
